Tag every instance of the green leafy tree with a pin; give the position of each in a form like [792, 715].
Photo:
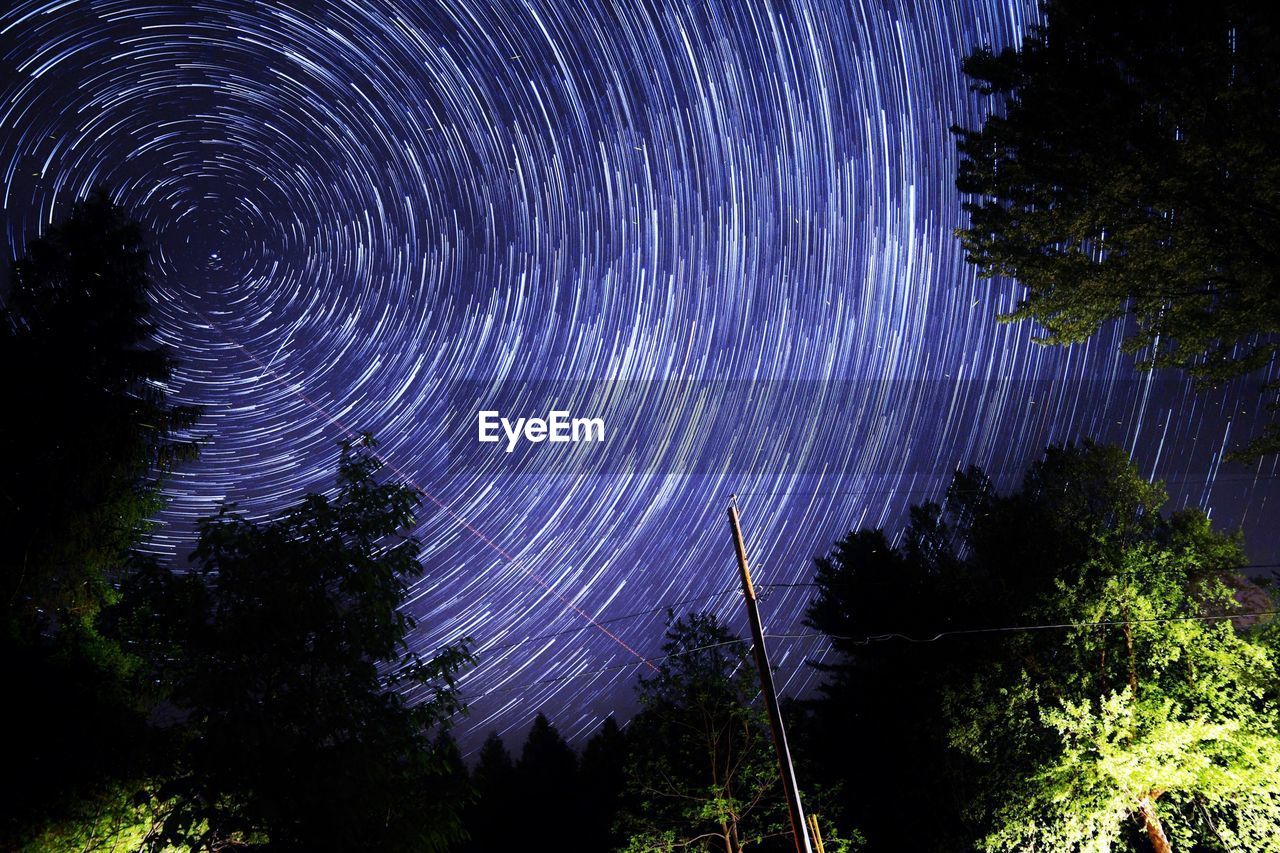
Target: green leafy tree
[1152, 711]
[701, 773]
[1130, 167]
[286, 657]
[90, 433]
[1144, 716]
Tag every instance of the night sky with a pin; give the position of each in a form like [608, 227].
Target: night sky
[724, 226]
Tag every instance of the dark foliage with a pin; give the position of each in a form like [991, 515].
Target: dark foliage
[283, 651]
[1130, 167]
[547, 777]
[489, 820]
[903, 707]
[89, 433]
[548, 795]
[602, 776]
[89, 413]
[877, 728]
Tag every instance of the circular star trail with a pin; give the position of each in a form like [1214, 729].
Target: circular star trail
[725, 227]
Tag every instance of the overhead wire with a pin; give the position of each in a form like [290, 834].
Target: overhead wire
[883, 637]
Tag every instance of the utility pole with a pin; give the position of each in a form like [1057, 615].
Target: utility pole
[798, 827]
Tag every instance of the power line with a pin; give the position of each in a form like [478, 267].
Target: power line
[599, 671]
[873, 638]
[768, 586]
[1225, 570]
[620, 618]
[895, 635]
[942, 490]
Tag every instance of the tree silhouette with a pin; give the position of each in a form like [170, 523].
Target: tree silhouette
[284, 651]
[547, 779]
[89, 432]
[92, 431]
[602, 778]
[490, 818]
[1128, 168]
[876, 729]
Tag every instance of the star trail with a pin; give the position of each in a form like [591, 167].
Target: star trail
[724, 226]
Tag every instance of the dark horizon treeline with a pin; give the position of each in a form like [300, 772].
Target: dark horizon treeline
[646, 785]
[546, 790]
[583, 798]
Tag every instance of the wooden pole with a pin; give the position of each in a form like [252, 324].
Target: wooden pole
[794, 811]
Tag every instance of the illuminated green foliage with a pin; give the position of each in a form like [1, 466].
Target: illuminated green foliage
[1154, 714]
[701, 773]
[1061, 668]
